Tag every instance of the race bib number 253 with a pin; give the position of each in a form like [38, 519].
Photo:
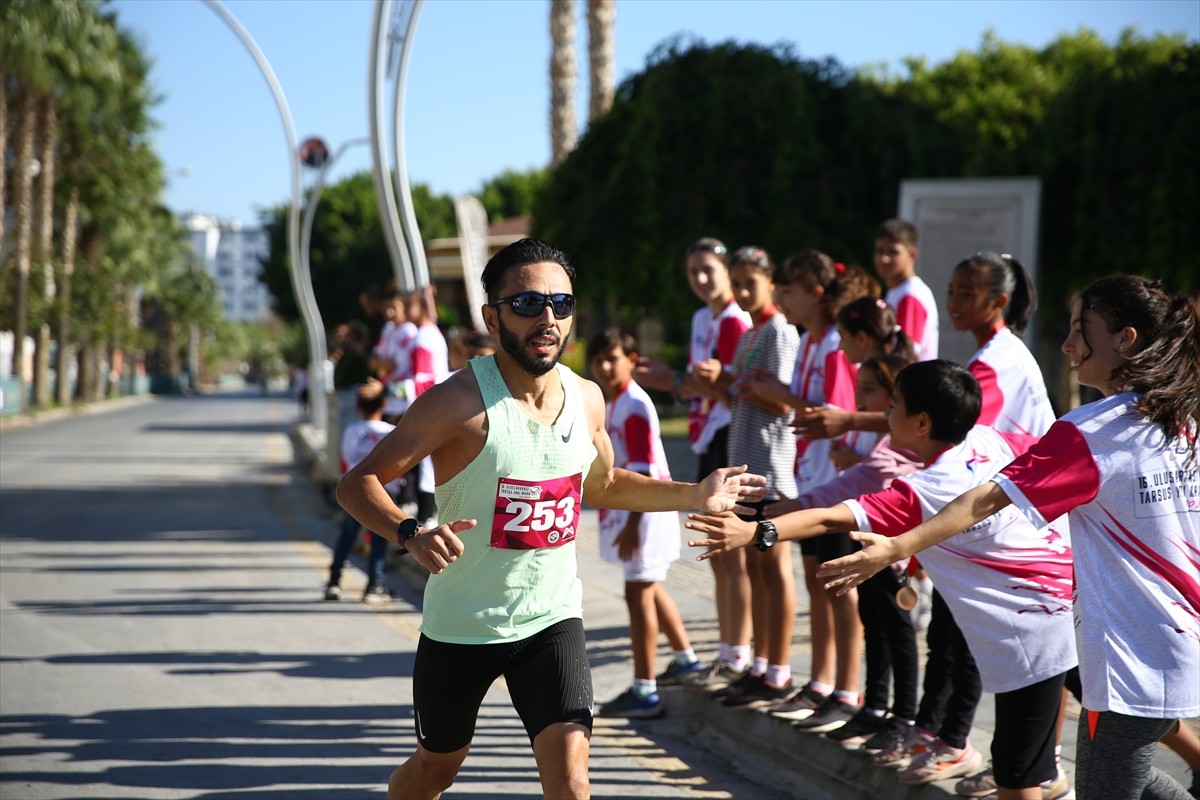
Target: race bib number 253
[535, 514]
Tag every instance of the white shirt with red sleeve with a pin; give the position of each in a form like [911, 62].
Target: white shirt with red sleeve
[396, 344]
[917, 315]
[632, 425]
[823, 377]
[1014, 393]
[359, 439]
[713, 337]
[1133, 499]
[430, 361]
[1007, 582]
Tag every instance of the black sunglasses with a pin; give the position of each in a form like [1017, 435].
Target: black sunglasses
[530, 304]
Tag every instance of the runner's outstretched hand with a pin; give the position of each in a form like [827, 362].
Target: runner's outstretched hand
[726, 488]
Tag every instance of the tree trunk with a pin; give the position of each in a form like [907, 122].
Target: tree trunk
[23, 212]
[3, 161]
[602, 55]
[63, 333]
[562, 80]
[45, 240]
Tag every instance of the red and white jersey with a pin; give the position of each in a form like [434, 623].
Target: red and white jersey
[823, 377]
[395, 344]
[359, 439]
[917, 315]
[713, 337]
[430, 360]
[1014, 393]
[1133, 499]
[1006, 580]
[632, 425]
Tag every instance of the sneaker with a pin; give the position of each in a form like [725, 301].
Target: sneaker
[891, 731]
[981, 784]
[1055, 789]
[333, 592]
[716, 675]
[940, 762]
[674, 673]
[833, 714]
[737, 687]
[862, 726]
[629, 706]
[802, 705]
[376, 592]
[761, 695]
[898, 755]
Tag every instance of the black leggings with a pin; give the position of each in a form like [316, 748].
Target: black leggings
[891, 645]
[1114, 758]
[952, 686]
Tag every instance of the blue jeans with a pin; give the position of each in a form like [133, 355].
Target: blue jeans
[341, 552]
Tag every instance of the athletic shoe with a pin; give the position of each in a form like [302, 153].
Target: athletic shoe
[333, 592]
[739, 686]
[904, 749]
[941, 762]
[802, 705]
[376, 592]
[893, 731]
[716, 675]
[833, 714]
[674, 673]
[628, 705]
[862, 726]
[981, 784]
[761, 695]
[1057, 789]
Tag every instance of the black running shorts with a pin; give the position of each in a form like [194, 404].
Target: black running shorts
[547, 674]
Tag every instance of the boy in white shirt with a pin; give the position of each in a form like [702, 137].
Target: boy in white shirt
[896, 262]
[644, 543]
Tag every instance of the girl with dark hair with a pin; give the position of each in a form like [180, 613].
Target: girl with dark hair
[993, 297]
[760, 432]
[812, 288]
[868, 327]
[1125, 471]
[716, 328]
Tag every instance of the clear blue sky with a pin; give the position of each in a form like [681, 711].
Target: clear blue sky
[478, 89]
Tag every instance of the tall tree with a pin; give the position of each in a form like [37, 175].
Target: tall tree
[602, 56]
[563, 73]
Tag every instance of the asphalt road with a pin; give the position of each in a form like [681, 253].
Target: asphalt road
[162, 633]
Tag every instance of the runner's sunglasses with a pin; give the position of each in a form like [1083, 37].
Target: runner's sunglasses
[530, 304]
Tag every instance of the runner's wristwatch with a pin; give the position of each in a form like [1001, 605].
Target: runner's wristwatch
[765, 536]
[404, 532]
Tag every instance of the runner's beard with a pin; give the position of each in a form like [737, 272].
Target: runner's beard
[534, 365]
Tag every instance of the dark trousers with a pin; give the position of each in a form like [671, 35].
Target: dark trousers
[341, 551]
[952, 687]
[891, 645]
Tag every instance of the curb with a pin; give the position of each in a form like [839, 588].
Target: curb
[27, 420]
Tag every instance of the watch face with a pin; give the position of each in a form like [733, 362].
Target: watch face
[767, 536]
[407, 528]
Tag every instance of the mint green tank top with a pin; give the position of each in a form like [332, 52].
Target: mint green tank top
[518, 572]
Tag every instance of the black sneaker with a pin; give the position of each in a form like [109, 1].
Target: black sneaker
[376, 592]
[802, 705]
[862, 726]
[715, 676]
[675, 673]
[761, 695]
[737, 687]
[891, 729]
[629, 706]
[832, 714]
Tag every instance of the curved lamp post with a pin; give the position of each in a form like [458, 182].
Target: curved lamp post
[301, 277]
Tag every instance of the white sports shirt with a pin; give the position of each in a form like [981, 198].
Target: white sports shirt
[1014, 393]
[917, 315]
[713, 337]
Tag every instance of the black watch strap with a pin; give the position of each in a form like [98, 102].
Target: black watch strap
[405, 531]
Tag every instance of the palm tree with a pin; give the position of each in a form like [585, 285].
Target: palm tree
[562, 79]
[602, 47]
